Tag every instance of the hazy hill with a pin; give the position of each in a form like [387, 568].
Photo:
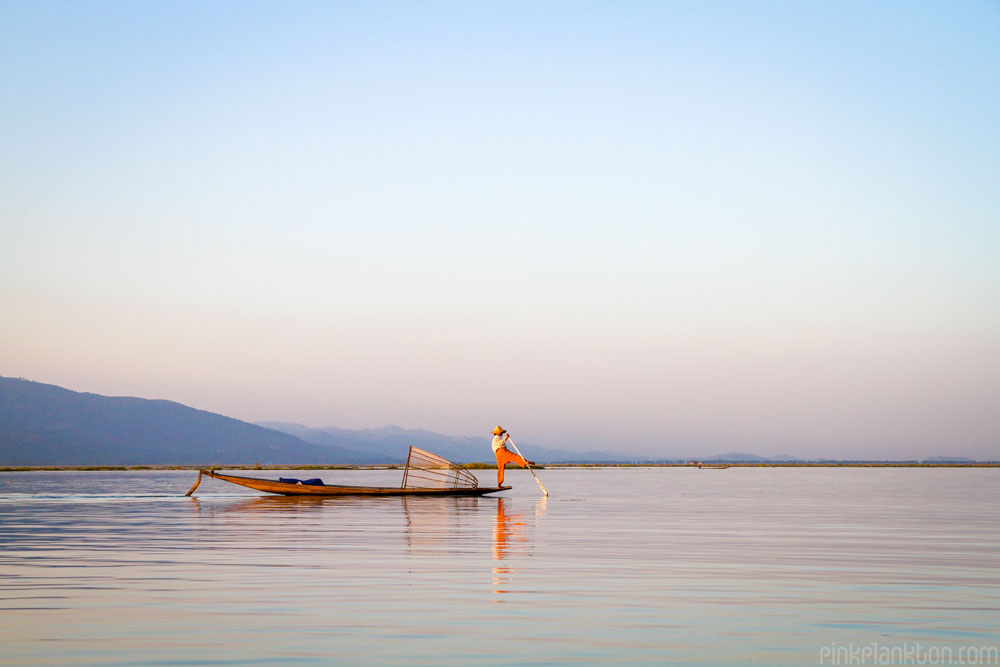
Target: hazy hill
[742, 457]
[43, 424]
[394, 442]
[947, 459]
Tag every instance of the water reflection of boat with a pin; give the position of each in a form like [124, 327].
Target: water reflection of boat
[262, 504]
[439, 525]
[425, 474]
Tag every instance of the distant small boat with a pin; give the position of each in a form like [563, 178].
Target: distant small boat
[713, 466]
[426, 474]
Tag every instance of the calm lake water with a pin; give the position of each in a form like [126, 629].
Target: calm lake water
[764, 565]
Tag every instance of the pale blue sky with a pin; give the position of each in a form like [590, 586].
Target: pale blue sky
[661, 228]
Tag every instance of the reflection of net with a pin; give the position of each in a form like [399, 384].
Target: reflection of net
[425, 470]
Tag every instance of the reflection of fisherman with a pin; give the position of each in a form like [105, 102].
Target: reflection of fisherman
[508, 528]
[504, 455]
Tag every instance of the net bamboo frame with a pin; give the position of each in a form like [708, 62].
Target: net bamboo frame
[430, 471]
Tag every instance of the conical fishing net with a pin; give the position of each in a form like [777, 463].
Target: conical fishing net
[425, 470]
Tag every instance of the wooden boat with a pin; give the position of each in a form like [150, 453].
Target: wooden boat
[425, 474]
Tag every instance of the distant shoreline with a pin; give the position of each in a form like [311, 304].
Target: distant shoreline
[490, 466]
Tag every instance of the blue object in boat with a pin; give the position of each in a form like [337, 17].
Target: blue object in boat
[315, 481]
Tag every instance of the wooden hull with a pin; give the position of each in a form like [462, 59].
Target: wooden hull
[286, 489]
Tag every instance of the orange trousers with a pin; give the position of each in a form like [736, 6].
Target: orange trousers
[505, 456]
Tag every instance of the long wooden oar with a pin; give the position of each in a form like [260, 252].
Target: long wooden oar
[546, 491]
[195, 485]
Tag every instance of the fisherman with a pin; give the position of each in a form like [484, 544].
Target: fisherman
[504, 455]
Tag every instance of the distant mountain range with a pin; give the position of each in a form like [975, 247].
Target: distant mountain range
[738, 457]
[948, 459]
[42, 424]
[392, 443]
